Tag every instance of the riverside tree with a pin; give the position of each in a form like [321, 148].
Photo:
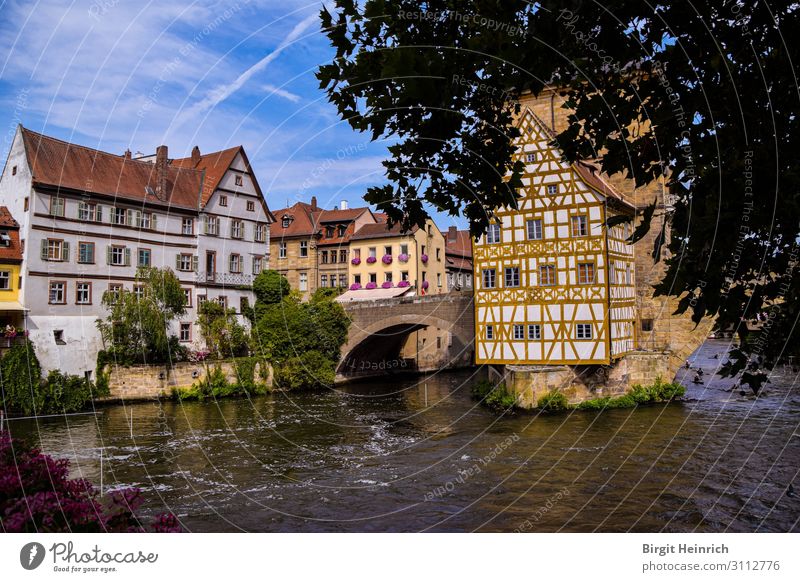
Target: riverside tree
[704, 95]
[136, 329]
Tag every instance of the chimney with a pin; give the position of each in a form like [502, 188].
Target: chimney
[127, 154]
[452, 234]
[195, 155]
[313, 203]
[161, 172]
[343, 205]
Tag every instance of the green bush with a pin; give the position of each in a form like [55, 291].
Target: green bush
[215, 384]
[553, 401]
[20, 376]
[65, 393]
[313, 370]
[496, 397]
[659, 391]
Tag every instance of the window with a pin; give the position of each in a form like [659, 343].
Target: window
[438, 254]
[185, 262]
[235, 263]
[238, 181]
[585, 273]
[285, 222]
[534, 331]
[86, 252]
[201, 299]
[244, 304]
[282, 250]
[303, 248]
[628, 278]
[187, 226]
[223, 200]
[489, 278]
[83, 293]
[13, 170]
[186, 332]
[26, 204]
[324, 257]
[329, 232]
[519, 332]
[56, 206]
[404, 249]
[579, 225]
[144, 220]
[237, 228]
[342, 228]
[118, 256]
[323, 280]
[58, 336]
[387, 250]
[512, 276]
[303, 282]
[58, 292]
[404, 275]
[493, 234]
[119, 216]
[489, 332]
[373, 278]
[530, 158]
[357, 254]
[647, 325]
[373, 252]
[223, 301]
[357, 279]
[251, 206]
[534, 229]
[439, 279]
[547, 275]
[387, 276]
[430, 230]
[187, 297]
[90, 212]
[258, 263]
[143, 259]
[138, 291]
[334, 257]
[261, 233]
[5, 280]
[583, 331]
[114, 292]
[212, 225]
[54, 250]
[342, 280]
[552, 189]
[343, 255]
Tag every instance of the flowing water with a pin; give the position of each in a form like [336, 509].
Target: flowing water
[420, 455]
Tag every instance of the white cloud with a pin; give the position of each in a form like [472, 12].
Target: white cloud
[273, 90]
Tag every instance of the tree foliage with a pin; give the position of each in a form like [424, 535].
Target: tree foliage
[702, 95]
[20, 377]
[136, 329]
[270, 287]
[223, 334]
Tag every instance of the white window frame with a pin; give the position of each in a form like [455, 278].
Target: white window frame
[533, 229]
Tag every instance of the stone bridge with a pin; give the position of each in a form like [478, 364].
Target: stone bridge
[408, 334]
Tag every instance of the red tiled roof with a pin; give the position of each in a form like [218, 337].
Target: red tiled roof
[61, 164]
[340, 215]
[462, 245]
[300, 224]
[12, 252]
[460, 263]
[381, 230]
[214, 165]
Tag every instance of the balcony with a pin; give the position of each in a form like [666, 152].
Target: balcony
[7, 342]
[227, 279]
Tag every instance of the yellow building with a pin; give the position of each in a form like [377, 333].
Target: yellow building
[387, 258]
[11, 311]
[553, 284]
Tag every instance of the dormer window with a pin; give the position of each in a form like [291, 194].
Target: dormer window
[285, 221]
[342, 228]
[5, 240]
[329, 232]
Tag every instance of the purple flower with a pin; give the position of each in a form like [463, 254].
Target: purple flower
[424, 258]
[355, 286]
[371, 260]
[424, 284]
[387, 285]
[356, 261]
[371, 285]
[403, 284]
[402, 257]
[387, 259]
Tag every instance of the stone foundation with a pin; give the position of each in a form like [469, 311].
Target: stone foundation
[153, 382]
[581, 383]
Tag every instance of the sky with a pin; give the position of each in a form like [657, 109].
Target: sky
[114, 74]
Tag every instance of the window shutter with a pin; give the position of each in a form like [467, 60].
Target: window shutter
[44, 249]
[65, 252]
[127, 257]
[129, 218]
[177, 262]
[154, 221]
[194, 263]
[98, 213]
[108, 255]
[205, 224]
[81, 208]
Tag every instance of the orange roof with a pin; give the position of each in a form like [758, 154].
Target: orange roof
[214, 165]
[381, 230]
[13, 251]
[461, 245]
[300, 222]
[61, 164]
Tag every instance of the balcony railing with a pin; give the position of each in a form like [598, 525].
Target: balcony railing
[7, 342]
[232, 279]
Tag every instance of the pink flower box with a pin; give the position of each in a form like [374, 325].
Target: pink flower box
[404, 284]
[424, 284]
[371, 260]
[387, 259]
[356, 261]
[403, 258]
[355, 286]
[424, 258]
[372, 285]
[387, 285]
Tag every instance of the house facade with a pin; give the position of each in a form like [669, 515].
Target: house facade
[383, 257]
[12, 312]
[458, 256]
[335, 230]
[553, 283]
[88, 219]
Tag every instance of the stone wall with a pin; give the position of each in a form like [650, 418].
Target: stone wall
[153, 382]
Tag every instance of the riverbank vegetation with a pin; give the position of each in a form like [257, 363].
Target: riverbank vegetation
[495, 396]
[657, 392]
[38, 497]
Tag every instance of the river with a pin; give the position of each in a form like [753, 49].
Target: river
[419, 454]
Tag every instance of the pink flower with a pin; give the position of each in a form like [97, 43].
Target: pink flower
[387, 259]
[402, 257]
[371, 285]
[404, 284]
[355, 286]
[424, 258]
[424, 284]
[356, 261]
[387, 285]
[371, 260]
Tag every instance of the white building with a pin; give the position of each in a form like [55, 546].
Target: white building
[88, 219]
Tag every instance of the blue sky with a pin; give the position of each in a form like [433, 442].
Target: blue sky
[114, 74]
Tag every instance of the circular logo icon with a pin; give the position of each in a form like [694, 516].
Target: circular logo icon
[31, 555]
